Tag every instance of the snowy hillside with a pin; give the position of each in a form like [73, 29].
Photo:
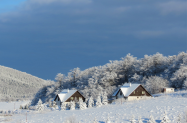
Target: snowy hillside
[174, 104]
[18, 85]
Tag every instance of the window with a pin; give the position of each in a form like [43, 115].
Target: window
[143, 92]
[80, 97]
[71, 98]
[134, 92]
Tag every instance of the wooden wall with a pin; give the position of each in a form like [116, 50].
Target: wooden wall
[77, 95]
[138, 92]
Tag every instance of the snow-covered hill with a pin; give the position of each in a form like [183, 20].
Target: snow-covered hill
[174, 104]
[153, 72]
[18, 85]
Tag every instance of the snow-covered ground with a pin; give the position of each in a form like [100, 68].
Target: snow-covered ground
[173, 104]
[11, 105]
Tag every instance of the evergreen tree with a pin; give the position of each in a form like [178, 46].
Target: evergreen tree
[132, 120]
[54, 105]
[50, 104]
[165, 119]
[98, 102]
[40, 106]
[82, 105]
[26, 106]
[21, 107]
[104, 99]
[95, 120]
[108, 120]
[72, 105]
[151, 119]
[179, 119]
[63, 106]
[90, 102]
[140, 120]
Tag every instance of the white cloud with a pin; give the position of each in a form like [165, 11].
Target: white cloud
[176, 7]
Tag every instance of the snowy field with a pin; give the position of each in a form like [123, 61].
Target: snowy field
[173, 104]
[11, 105]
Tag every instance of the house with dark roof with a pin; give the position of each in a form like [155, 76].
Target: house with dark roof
[131, 92]
[67, 96]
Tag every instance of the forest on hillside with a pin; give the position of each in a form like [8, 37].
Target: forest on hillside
[154, 72]
[17, 85]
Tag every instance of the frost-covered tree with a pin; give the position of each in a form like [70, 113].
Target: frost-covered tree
[96, 80]
[63, 106]
[185, 116]
[74, 75]
[40, 106]
[132, 120]
[155, 84]
[90, 102]
[179, 119]
[59, 78]
[151, 119]
[179, 77]
[21, 107]
[165, 118]
[104, 99]
[98, 101]
[27, 106]
[50, 104]
[139, 120]
[108, 120]
[127, 66]
[95, 120]
[72, 105]
[135, 78]
[54, 105]
[82, 105]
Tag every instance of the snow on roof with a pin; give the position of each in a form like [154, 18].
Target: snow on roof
[115, 93]
[65, 94]
[127, 89]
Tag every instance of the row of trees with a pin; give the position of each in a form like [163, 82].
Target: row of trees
[154, 72]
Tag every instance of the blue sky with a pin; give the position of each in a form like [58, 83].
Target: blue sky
[46, 37]
[9, 5]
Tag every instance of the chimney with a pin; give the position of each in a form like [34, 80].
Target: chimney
[130, 84]
[68, 90]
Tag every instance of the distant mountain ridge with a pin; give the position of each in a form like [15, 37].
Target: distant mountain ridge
[15, 84]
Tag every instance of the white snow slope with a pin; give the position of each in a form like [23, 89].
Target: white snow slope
[173, 104]
[18, 85]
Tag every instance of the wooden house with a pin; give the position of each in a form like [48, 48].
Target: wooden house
[168, 90]
[131, 92]
[67, 96]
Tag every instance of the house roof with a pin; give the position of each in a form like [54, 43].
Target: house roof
[66, 94]
[127, 89]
